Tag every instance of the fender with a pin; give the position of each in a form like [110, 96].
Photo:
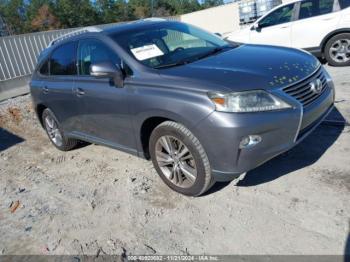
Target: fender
[319, 50]
[141, 118]
[331, 34]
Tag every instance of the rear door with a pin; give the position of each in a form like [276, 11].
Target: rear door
[316, 18]
[58, 84]
[275, 28]
[104, 107]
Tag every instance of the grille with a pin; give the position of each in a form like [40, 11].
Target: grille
[302, 91]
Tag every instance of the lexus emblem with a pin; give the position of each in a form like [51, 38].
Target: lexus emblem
[316, 86]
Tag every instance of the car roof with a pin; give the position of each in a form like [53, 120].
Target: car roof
[108, 29]
[138, 24]
[104, 29]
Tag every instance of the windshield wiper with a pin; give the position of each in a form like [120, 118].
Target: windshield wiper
[184, 62]
[181, 62]
[213, 51]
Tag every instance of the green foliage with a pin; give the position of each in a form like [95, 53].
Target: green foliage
[212, 3]
[75, 13]
[112, 11]
[13, 12]
[27, 15]
[32, 11]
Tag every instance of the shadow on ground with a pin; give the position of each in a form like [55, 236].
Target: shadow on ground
[303, 155]
[8, 139]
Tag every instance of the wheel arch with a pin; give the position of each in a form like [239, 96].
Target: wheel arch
[39, 109]
[146, 130]
[332, 34]
[150, 120]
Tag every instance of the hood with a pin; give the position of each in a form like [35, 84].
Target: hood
[246, 67]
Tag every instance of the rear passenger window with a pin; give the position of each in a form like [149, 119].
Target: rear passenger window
[44, 69]
[93, 51]
[63, 60]
[315, 7]
[344, 3]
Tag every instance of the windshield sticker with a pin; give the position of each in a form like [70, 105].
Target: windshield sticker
[146, 52]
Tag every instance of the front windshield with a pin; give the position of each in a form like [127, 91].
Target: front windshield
[169, 44]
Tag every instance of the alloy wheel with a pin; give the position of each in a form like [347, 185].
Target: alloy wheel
[53, 131]
[340, 51]
[176, 161]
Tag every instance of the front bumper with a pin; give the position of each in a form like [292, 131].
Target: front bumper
[220, 134]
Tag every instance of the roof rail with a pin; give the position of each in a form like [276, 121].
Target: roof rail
[153, 19]
[74, 33]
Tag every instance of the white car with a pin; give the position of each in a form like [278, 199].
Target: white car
[321, 27]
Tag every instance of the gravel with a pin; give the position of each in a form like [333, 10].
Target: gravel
[95, 200]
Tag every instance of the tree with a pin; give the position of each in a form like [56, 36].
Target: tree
[75, 13]
[32, 9]
[211, 3]
[36, 15]
[13, 12]
[44, 20]
[184, 6]
[110, 11]
[140, 8]
[106, 11]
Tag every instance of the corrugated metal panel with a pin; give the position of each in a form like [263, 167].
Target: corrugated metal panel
[18, 54]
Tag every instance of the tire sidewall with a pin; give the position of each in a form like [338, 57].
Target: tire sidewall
[197, 188]
[328, 46]
[47, 112]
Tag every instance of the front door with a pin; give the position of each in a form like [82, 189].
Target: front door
[104, 107]
[275, 28]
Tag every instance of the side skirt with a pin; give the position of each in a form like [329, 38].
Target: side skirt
[103, 142]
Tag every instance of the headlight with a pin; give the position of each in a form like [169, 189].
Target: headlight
[247, 101]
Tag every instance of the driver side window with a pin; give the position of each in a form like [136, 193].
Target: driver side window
[93, 51]
[279, 16]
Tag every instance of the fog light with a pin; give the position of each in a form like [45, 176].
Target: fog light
[249, 141]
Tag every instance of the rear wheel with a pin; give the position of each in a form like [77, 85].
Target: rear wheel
[55, 133]
[337, 50]
[180, 159]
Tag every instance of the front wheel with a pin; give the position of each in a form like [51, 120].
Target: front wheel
[180, 159]
[337, 50]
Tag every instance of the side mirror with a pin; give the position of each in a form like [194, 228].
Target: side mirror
[256, 27]
[108, 70]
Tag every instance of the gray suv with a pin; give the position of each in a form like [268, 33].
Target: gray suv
[201, 109]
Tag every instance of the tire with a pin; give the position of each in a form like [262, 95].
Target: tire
[195, 160]
[52, 128]
[340, 57]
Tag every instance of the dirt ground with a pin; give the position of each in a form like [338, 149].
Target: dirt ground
[95, 200]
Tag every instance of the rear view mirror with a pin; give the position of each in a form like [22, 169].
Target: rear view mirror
[108, 70]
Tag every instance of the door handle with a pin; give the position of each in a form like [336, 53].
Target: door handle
[283, 27]
[45, 90]
[328, 18]
[79, 92]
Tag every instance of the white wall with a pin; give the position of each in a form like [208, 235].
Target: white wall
[222, 19]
